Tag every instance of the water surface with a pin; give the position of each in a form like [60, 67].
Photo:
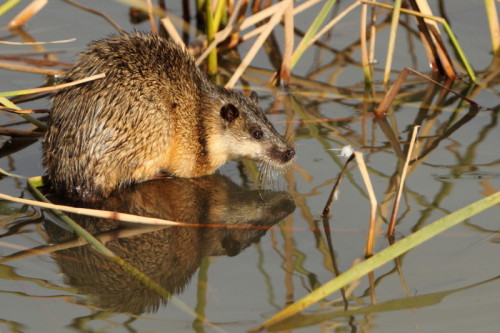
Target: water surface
[238, 277]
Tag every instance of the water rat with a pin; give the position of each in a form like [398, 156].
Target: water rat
[154, 111]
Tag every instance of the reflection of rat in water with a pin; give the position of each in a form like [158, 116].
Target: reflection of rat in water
[154, 111]
[168, 255]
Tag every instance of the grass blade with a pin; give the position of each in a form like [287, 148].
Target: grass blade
[273, 22]
[285, 70]
[37, 43]
[405, 303]
[446, 27]
[312, 31]
[211, 30]
[26, 117]
[433, 38]
[30, 69]
[392, 39]
[370, 237]
[331, 24]
[367, 70]
[326, 210]
[123, 217]
[491, 11]
[383, 257]
[49, 88]
[392, 224]
[96, 12]
[26, 14]
[4, 8]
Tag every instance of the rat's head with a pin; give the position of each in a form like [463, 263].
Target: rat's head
[246, 132]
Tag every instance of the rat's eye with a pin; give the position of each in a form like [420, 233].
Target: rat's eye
[257, 134]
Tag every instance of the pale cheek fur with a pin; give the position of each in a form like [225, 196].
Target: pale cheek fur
[219, 148]
[247, 148]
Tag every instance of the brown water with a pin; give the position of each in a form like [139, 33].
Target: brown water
[266, 249]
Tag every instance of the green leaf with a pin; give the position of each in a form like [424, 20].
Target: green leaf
[383, 257]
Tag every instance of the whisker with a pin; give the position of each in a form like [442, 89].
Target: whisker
[269, 175]
[261, 174]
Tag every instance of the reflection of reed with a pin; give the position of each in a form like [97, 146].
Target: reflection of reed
[318, 98]
[168, 255]
[410, 302]
[432, 100]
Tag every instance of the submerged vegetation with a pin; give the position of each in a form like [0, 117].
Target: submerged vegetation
[215, 32]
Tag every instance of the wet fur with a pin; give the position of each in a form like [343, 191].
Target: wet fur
[153, 112]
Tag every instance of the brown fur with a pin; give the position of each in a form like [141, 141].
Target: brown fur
[154, 111]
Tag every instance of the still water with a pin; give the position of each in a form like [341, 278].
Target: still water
[259, 250]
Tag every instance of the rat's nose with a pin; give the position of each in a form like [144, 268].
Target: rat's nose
[290, 153]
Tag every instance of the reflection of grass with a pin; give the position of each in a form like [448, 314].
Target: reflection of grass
[383, 257]
[410, 302]
[218, 30]
[145, 279]
[8, 5]
[8, 273]
[325, 132]
[392, 135]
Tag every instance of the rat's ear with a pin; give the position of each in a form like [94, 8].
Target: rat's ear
[254, 97]
[229, 112]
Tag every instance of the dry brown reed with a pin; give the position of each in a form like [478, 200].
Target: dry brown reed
[333, 193]
[26, 14]
[37, 43]
[491, 11]
[432, 40]
[96, 12]
[370, 237]
[154, 31]
[6, 109]
[95, 213]
[269, 26]
[285, 70]
[19, 133]
[30, 69]
[365, 59]
[37, 62]
[392, 223]
[392, 39]
[52, 88]
[172, 32]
